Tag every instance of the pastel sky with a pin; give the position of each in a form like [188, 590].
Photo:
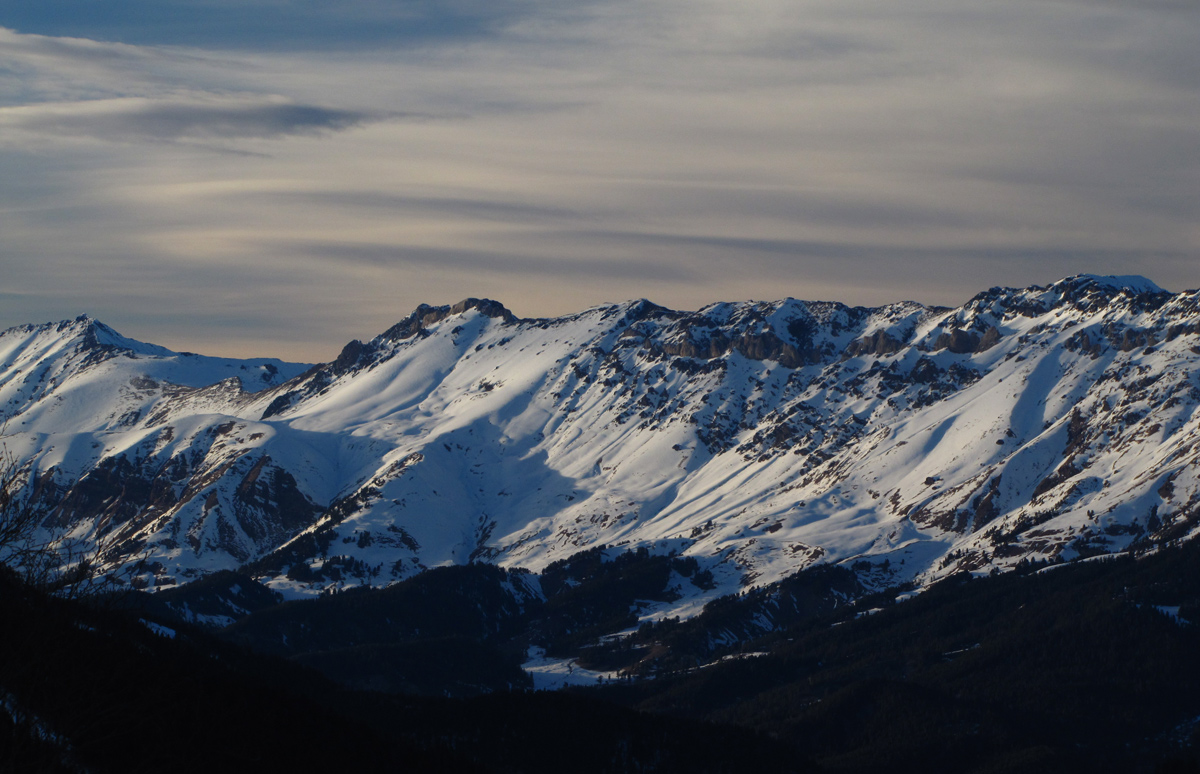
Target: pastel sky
[277, 177]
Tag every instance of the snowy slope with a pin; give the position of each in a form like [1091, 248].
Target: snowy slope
[758, 437]
[86, 415]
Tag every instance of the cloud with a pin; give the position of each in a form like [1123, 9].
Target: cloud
[199, 117]
[395, 203]
[491, 262]
[37, 69]
[267, 24]
[47, 49]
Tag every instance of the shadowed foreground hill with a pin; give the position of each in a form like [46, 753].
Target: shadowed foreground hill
[102, 691]
[1085, 667]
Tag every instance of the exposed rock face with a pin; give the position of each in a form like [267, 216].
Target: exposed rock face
[959, 342]
[759, 438]
[350, 357]
[424, 316]
[878, 343]
[991, 337]
[962, 342]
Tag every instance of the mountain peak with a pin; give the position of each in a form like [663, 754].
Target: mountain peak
[98, 336]
[485, 306]
[425, 315]
[1132, 283]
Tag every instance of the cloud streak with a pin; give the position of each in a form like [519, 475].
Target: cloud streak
[269, 24]
[477, 262]
[191, 118]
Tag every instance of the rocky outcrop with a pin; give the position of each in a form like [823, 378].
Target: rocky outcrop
[424, 316]
[965, 342]
[878, 344]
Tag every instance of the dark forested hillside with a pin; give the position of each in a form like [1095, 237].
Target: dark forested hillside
[101, 690]
[1092, 666]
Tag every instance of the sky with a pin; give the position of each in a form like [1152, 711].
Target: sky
[277, 177]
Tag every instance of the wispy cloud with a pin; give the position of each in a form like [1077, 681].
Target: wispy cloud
[269, 24]
[477, 262]
[199, 117]
[395, 204]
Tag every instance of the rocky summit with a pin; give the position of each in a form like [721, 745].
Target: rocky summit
[905, 442]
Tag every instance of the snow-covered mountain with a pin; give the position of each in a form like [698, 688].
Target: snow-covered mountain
[905, 441]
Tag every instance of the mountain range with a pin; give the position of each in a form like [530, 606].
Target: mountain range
[906, 443]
